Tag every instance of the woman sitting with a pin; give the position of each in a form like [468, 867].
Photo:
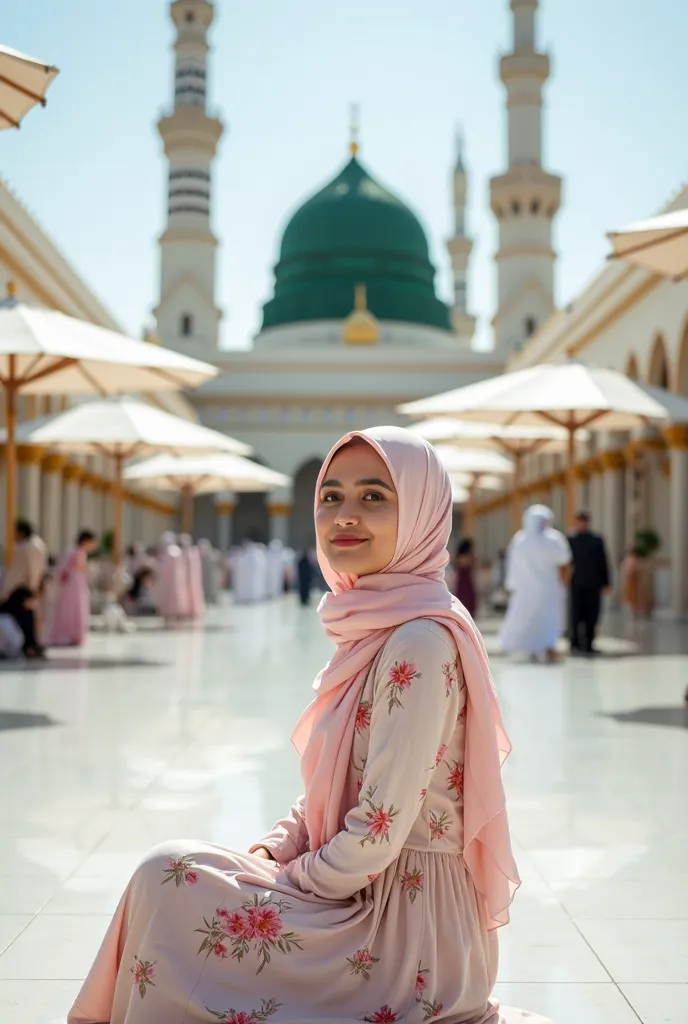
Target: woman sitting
[378, 896]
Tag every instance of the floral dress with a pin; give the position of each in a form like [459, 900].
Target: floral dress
[382, 924]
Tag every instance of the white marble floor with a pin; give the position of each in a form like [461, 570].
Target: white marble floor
[162, 734]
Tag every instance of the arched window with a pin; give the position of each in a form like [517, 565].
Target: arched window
[530, 326]
[515, 207]
[535, 207]
[186, 325]
[659, 364]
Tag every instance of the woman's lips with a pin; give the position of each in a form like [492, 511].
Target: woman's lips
[347, 542]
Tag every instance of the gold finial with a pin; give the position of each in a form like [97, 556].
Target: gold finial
[354, 127]
[11, 289]
[361, 327]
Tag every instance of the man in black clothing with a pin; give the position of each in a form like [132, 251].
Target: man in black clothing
[589, 581]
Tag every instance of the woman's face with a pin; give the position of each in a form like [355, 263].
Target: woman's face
[358, 512]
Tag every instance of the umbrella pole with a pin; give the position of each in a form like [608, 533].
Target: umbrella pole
[570, 475]
[10, 463]
[187, 509]
[117, 518]
[516, 497]
[469, 516]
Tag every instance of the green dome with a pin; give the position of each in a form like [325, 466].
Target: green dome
[354, 232]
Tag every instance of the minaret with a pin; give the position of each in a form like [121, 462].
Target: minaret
[187, 317]
[526, 198]
[460, 248]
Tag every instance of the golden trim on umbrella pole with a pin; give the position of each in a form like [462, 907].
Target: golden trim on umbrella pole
[187, 508]
[470, 509]
[117, 509]
[516, 493]
[10, 462]
[571, 476]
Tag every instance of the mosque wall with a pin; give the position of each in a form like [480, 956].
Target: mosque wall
[632, 321]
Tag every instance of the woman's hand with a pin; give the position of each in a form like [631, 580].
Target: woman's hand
[263, 853]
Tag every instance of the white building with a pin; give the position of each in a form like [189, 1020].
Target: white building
[354, 326]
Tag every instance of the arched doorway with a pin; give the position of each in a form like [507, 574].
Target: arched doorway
[659, 364]
[632, 368]
[251, 518]
[301, 530]
[681, 378]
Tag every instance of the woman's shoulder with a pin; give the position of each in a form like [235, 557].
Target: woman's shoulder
[425, 636]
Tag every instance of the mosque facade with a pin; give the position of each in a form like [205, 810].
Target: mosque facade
[354, 325]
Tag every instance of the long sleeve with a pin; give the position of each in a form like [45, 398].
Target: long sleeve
[414, 713]
[288, 837]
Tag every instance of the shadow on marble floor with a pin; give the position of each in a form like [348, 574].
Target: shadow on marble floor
[60, 664]
[10, 720]
[668, 716]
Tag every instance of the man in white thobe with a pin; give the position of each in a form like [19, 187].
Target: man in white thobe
[536, 575]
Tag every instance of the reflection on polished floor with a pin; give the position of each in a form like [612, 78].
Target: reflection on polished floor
[162, 734]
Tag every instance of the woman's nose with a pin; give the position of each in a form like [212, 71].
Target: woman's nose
[346, 515]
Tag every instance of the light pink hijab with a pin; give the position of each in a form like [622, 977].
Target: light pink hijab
[360, 614]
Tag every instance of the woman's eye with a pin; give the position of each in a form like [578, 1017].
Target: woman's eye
[375, 495]
[328, 498]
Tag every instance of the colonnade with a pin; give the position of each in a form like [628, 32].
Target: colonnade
[641, 484]
[60, 495]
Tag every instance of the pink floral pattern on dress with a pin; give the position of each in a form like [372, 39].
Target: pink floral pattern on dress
[401, 675]
[144, 972]
[372, 878]
[455, 780]
[361, 773]
[379, 820]
[363, 713]
[421, 981]
[432, 1009]
[362, 961]
[258, 925]
[180, 871]
[441, 751]
[439, 826]
[412, 883]
[385, 1015]
[451, 676]
[268, 1007]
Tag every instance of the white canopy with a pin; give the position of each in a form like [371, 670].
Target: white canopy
[659, 244]
[123, 428]
[205, 474]
[24, 82]
[568, 394]
[473, 461]
[514, 440]
[46, 352]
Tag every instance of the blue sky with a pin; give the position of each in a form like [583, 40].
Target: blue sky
[283, 75]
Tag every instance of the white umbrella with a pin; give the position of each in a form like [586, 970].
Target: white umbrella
[24, 82]
[516, 441]
[204, 474]
[44, 352]
[570, 395]
[659, 244]
[122, 428]
[472, 467]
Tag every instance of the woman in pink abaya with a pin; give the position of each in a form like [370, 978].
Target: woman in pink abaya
[193, 578]
[379, 895]
[72, 599]
[170, 587]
